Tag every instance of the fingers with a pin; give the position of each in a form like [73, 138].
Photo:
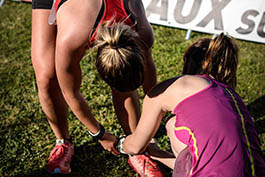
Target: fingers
[109, 143]
[115, 151]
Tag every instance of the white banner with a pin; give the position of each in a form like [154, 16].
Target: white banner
[242, 19]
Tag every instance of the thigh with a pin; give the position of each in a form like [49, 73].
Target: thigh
[75, 21]
[176, 145]
[43, 43]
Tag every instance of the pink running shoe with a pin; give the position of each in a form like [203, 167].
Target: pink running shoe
[144, 166]
[61, 157]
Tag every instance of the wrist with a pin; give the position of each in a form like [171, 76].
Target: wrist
[99, 134]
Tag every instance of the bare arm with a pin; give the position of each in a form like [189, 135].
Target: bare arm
[144, 28]
[146, 34]
[146, 128]
[156, 103]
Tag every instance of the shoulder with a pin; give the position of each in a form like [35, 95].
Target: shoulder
[191, 83]
[172, 91]
[162, 95]
[162, 87]
[178, 84]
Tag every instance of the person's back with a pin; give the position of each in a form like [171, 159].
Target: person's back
[251, 140]
[206, 123]
[211, 132]
[218, 59]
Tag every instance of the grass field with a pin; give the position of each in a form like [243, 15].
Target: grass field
[25, 136]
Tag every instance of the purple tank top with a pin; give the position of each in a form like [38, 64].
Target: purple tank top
[220, 134]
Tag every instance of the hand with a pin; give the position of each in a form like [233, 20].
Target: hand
[108, 142]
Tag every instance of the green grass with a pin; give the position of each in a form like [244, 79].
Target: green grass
[25, 136]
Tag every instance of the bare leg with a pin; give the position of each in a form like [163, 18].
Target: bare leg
[150, 72]
[127, 109]
[75, 20]
[165, 157]
[127, 106]
[43, 59]
[72, 40]
[176, 145]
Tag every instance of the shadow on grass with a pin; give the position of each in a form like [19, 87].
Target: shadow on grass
[257, 111]
[91, 160]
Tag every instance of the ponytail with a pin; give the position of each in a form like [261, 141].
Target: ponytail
[119, 57]
[221, 60]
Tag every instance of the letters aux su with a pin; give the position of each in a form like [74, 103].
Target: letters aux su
[215, 14]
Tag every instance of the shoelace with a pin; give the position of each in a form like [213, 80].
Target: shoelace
[61, 148]
[148, 164]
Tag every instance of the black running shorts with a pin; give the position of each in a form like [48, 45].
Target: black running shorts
[42, 4]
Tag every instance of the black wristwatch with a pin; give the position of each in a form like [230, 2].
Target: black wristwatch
[99, 134]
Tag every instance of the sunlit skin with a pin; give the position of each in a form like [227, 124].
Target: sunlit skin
[56, 54]
[163, 98]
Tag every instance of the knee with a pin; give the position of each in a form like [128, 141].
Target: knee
[46, 82]
[71, 43]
